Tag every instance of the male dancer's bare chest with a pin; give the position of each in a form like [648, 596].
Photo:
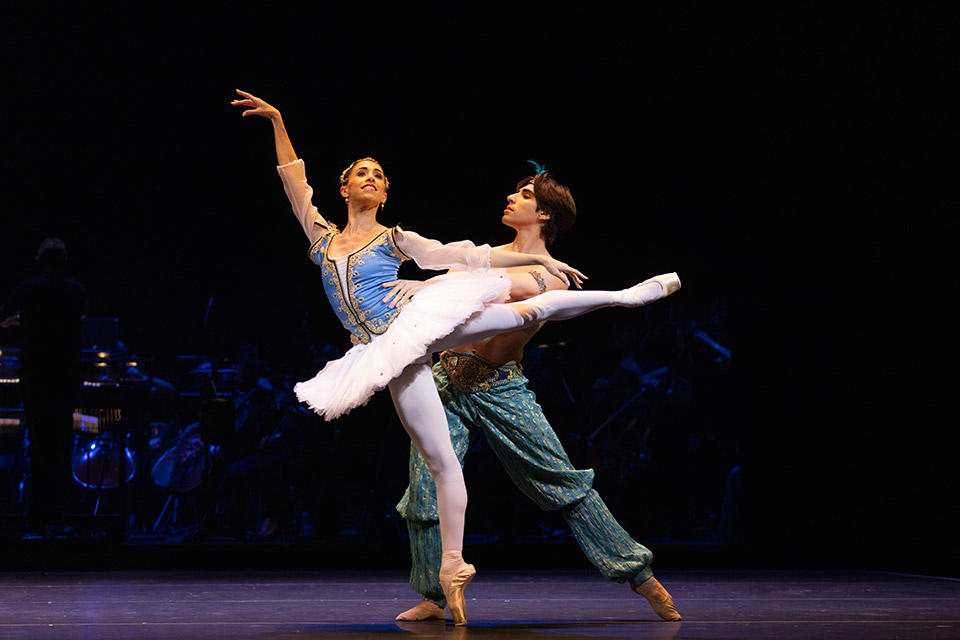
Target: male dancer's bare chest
[505, 347]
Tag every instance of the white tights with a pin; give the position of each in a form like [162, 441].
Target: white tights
[418, 403]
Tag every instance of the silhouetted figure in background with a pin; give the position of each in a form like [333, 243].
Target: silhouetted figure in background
[48, 308]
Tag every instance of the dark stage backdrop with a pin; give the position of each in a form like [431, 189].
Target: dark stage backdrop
[759, 152]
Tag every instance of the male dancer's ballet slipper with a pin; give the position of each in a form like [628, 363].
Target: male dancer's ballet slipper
[432, 629]
[658, 597]
[453, 581]
[423, 610]
[643, 293]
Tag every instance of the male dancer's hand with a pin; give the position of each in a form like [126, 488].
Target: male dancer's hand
[562, 270]
[402, 291]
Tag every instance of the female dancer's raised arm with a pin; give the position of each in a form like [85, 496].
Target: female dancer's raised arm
[428, 254]
[298, 191]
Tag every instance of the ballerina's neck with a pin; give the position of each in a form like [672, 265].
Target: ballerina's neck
[350, 240]
[361, 215]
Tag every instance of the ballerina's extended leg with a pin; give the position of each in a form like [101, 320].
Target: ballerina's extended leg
[555, 305]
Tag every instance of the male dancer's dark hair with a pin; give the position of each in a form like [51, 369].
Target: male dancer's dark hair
[554, 199]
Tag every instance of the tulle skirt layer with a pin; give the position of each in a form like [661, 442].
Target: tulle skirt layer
[433, 313]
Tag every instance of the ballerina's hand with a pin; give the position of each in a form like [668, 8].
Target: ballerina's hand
[257, 107]
[402, 291]
[562, 270]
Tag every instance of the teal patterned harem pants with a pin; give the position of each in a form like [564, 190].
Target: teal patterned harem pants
[531, 453]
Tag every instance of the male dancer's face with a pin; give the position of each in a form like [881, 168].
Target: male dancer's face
[521, 209]
[366, 185]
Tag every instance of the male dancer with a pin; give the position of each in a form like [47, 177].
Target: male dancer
[481, 385]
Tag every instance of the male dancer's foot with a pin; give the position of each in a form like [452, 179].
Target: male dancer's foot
[423, 610]
[658, 597]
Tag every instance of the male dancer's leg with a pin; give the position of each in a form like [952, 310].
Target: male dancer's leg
[527, 446]
[424, 571]
[535, 460]
[530, 451]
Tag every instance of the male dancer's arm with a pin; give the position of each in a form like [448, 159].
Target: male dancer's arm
[532, 283]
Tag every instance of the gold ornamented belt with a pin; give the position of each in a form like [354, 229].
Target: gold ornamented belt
[472, 373]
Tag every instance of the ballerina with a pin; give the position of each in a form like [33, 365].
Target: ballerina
[396, 342]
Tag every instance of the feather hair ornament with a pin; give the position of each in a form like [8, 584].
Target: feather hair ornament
[539, 167]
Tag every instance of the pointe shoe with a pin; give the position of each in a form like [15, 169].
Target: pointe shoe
[659, 598]
[453, 582]
[423, 610]
[640, 294]
[669, 281]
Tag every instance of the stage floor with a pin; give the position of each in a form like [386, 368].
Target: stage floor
[539, 605]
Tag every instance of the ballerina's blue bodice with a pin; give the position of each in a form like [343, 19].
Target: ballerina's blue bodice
[361, 308]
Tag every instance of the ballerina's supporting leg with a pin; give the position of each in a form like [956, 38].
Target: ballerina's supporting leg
[554, 305]
[421, 412]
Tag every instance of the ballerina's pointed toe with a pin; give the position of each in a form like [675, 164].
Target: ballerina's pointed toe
[669, 282]
[650, 290]
[453, 583]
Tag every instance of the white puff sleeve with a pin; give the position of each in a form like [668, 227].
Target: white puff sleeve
[432, 254]
[300, 194]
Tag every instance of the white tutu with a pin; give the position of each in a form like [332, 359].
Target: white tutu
[433, 313]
